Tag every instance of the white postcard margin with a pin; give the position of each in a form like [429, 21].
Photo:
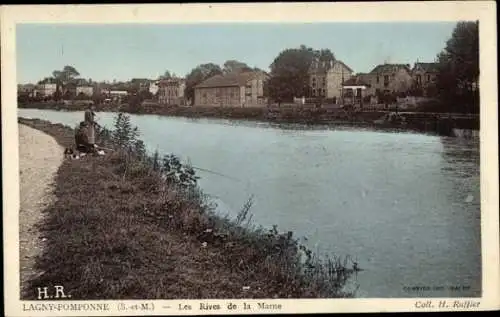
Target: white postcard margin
[484, 11]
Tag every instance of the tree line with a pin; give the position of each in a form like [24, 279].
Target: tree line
[457, 83]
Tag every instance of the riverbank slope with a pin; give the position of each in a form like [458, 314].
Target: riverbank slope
[119, 231]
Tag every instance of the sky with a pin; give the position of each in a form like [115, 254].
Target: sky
[121, 51]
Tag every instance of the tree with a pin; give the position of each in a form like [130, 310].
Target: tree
[64, 76]
[235, 66]
[124, 134]
[324, 55]
[166, 75]
[458, 66]
[290, 72]
[97, 97]
[47, 80]
[199, 74]
[135, 103]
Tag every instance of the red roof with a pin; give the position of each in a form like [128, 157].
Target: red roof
[235, 79]
[323, 67]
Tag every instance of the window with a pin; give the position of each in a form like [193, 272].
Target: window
[378, 80]
[419, 79]
[386, 80]
[314, 92]
[314, 84]
[428, 77]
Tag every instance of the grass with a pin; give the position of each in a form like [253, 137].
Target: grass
[120, 230]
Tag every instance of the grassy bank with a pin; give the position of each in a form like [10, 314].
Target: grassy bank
[130, 226]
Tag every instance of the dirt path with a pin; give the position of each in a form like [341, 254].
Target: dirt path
[39, 159]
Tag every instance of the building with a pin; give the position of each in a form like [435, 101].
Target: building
[114, 95]
[45, 90]
[153, 87]
[171, 91]
[236, 89]
[354, 90]
[325, 79]
[393, 78]
[85, 90]
[424, 77]
[27, 90]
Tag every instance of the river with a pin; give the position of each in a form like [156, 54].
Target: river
[405, 205]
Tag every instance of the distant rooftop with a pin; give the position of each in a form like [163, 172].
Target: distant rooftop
[166, 81]
[390, 68]
[428, 67]
[229, 80]
[355, 81]
[322, 67]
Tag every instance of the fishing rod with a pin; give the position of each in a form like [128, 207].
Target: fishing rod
[104, 148]
[215, 173]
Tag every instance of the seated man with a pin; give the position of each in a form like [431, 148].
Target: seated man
[82, 140]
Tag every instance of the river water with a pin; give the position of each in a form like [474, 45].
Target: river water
[405, 205]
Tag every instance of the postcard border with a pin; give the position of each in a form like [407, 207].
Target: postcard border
[484, 11]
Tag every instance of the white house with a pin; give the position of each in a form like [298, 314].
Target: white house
[153, 88]
[86, 90]
[46, 90]
[115, 95]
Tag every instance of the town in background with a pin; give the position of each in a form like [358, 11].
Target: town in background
[298, 77]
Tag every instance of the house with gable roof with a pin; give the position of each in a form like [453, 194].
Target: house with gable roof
[171, 91]
[354, 90]
[326, 78]
[236, 89]
[424, 76]
[390, 78]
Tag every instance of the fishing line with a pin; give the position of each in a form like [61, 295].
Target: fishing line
[217, 173]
